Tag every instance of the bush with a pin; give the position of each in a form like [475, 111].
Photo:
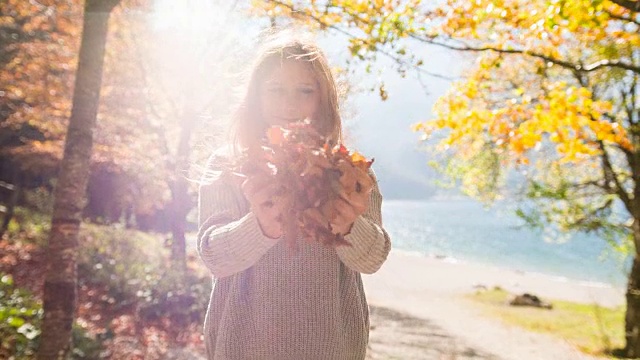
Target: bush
[134, 268]
[20, 319]
[182, 298]
[85, 346]
[127, 263]
[29, 225]
[126, 270]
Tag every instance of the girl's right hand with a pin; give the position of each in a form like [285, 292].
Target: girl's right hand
[261, 196]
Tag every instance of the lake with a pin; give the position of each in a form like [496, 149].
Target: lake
[463, 230]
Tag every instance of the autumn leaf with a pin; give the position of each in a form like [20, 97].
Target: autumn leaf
[312, 174]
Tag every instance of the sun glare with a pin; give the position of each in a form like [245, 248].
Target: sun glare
[192, 54]
[198, 16]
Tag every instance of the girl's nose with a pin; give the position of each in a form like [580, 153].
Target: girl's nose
[291, 102]
[291, 98]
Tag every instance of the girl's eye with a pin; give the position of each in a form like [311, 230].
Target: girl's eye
[307, 91]
[276, 90]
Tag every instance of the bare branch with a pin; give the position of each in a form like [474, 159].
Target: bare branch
[565, 64]
[622, 18]
[430, 40]
[611, 176]
[396, 59]
[593, 214]
[596, 183]
[633, 5]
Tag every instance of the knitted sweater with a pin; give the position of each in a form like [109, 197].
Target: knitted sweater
[269, 302]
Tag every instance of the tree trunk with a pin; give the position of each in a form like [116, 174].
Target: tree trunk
[15, 189]
[178, 224]
[181, 203]
[59, 300]
[632, 316]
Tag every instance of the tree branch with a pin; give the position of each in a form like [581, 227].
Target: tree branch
[565, 64]
[586, 220]
[568, 65]
[622, 18]
[611, 176]
[633, 5]
[320, 22]
[596, 183]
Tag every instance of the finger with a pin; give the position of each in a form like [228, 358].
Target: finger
[364, 181]
[260, 192]
[268, 210]
[262, 168]
[342, 222]
[314, 215]
[254, 184]
[249, 187]
[267, 153]
[346, 212]
[238, 178]
[359, 202]
[354, 179]
[265, 196]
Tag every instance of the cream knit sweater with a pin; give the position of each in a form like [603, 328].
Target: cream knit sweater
[269, 302]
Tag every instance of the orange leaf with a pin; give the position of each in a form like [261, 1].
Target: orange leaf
[275, 135]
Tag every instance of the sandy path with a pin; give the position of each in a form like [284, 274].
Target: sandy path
[417, 312]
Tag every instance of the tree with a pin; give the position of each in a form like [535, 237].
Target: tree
[59, 297]
[554, 94]
[38, 60]
[38, 54]
[186, 74]
[156, 85]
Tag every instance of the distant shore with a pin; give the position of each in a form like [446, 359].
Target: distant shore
[416, 274]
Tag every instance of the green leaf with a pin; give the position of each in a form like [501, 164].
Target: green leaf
[15, 322]
[6, 280]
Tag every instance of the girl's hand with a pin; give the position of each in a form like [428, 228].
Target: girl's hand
[261, 196]
[353, 200]
[261, 192]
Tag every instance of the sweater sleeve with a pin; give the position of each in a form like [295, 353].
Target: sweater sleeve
[370, 243]
[229, 237]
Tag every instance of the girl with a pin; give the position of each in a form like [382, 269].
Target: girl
[268, 302]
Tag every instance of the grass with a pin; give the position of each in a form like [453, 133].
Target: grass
[593, 329]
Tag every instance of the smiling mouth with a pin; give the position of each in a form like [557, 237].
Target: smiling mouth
[289, 120]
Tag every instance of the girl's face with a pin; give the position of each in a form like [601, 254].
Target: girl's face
[289, 93]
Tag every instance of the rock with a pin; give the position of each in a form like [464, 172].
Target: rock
[480, 287]
[529, 300]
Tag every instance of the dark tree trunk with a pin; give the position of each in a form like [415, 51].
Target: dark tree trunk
[14, 191]
[181, 203]
[59, 300]
[632, 316]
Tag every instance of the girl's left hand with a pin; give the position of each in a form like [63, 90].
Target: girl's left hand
[353, 200]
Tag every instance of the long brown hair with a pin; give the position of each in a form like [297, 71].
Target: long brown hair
[247, 125]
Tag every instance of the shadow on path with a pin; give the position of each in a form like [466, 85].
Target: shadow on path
[396, 335]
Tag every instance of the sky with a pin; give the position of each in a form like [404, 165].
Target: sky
[382, 129]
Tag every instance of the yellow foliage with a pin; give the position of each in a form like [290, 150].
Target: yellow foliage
[531, 89]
